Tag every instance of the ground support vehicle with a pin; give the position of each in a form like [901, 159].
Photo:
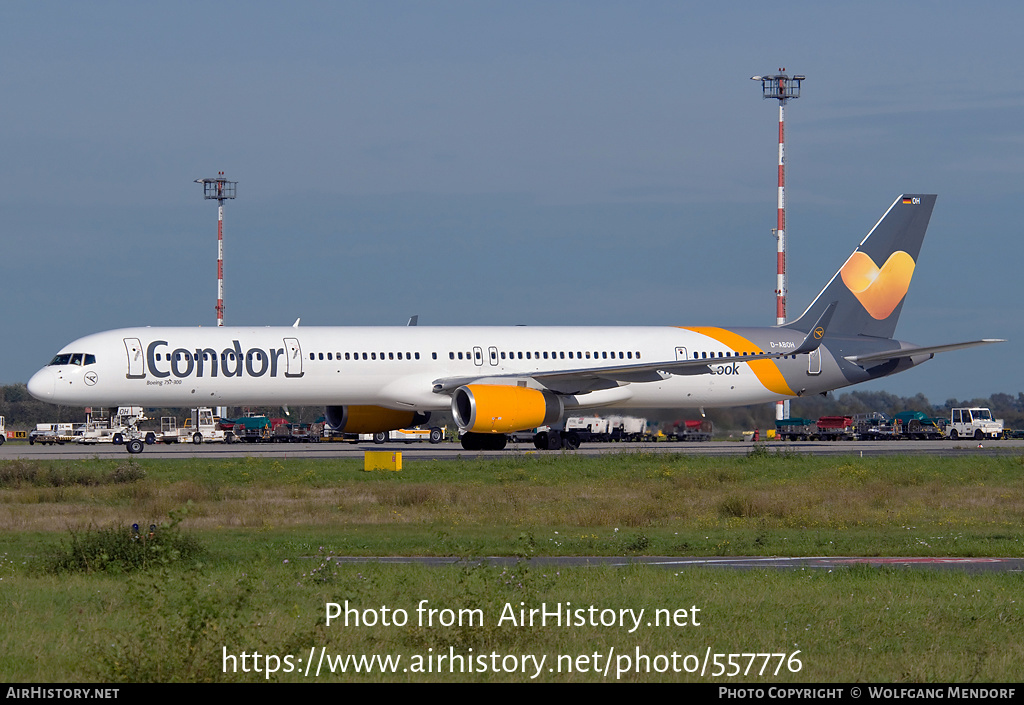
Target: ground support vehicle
[298, 432]
[973, 422]
[589, 429]
[542, 438]
[598, 429]
[329, 436]
[795, 429]
[691, 430]
[919, 426]
[3, 431]
[434, 434]
[522, 436]
[50, 433]
[628, 428]
[874, 426]
[201, 427]
[836, 428]
[118, 429]
[169, 430]
[251, 429]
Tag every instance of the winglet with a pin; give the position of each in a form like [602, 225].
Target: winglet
[817, 332]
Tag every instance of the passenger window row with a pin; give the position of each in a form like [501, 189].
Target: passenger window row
[366, 356]
[519, 355]
[725, 355]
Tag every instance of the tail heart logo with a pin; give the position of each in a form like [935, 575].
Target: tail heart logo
[878, 290]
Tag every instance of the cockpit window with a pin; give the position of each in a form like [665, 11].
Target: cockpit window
[74, 359]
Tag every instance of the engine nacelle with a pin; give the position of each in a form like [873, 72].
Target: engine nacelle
[494, 408]
[370, 419]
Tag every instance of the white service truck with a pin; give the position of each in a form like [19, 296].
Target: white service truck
[973, 422]
[201, 427]
[434, 434]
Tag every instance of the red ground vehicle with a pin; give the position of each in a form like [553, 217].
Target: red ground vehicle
[836, 428]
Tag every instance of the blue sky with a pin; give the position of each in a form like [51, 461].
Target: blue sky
[502, 163]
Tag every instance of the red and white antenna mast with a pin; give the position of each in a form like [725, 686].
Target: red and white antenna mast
[221, 189]
[782, 88]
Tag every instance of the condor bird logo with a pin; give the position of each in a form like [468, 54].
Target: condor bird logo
[878, 290]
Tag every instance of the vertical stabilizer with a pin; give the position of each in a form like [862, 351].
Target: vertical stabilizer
[870, 287]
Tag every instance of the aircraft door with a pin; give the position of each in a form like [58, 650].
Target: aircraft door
[681, 354]
[478, 356]
[492, 353]
[814, 362]
[136, 358]
[293, 357]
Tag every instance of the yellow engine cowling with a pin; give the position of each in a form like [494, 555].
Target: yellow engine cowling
[492, 408]
[370, 419]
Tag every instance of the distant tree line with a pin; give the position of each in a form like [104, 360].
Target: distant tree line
[22, 411]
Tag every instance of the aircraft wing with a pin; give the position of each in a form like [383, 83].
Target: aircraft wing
[583, 380]
[914, 352]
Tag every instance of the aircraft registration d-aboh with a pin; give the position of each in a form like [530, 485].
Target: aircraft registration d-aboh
[497, 380]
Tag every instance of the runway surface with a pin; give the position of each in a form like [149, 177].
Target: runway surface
[453, 451]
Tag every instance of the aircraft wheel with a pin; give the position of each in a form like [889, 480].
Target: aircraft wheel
[135, 446]
[497, 442]
[571, 441]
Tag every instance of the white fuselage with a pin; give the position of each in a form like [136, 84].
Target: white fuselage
[400, 367]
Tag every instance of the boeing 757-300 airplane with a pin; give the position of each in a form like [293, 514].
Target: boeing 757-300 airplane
[496, 380]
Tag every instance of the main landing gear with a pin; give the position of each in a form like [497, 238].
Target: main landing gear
[545, 440]
[484, 441]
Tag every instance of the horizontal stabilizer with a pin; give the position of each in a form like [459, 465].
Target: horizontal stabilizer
[914, 352]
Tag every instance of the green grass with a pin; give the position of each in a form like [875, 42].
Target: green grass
[849, 625]
[253, 572]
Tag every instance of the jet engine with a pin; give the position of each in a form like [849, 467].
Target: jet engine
[489, 408]
[371, 419]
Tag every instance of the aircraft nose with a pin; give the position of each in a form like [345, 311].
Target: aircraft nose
[42, 383]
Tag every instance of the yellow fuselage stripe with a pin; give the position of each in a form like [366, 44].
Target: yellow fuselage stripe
[766, 371]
